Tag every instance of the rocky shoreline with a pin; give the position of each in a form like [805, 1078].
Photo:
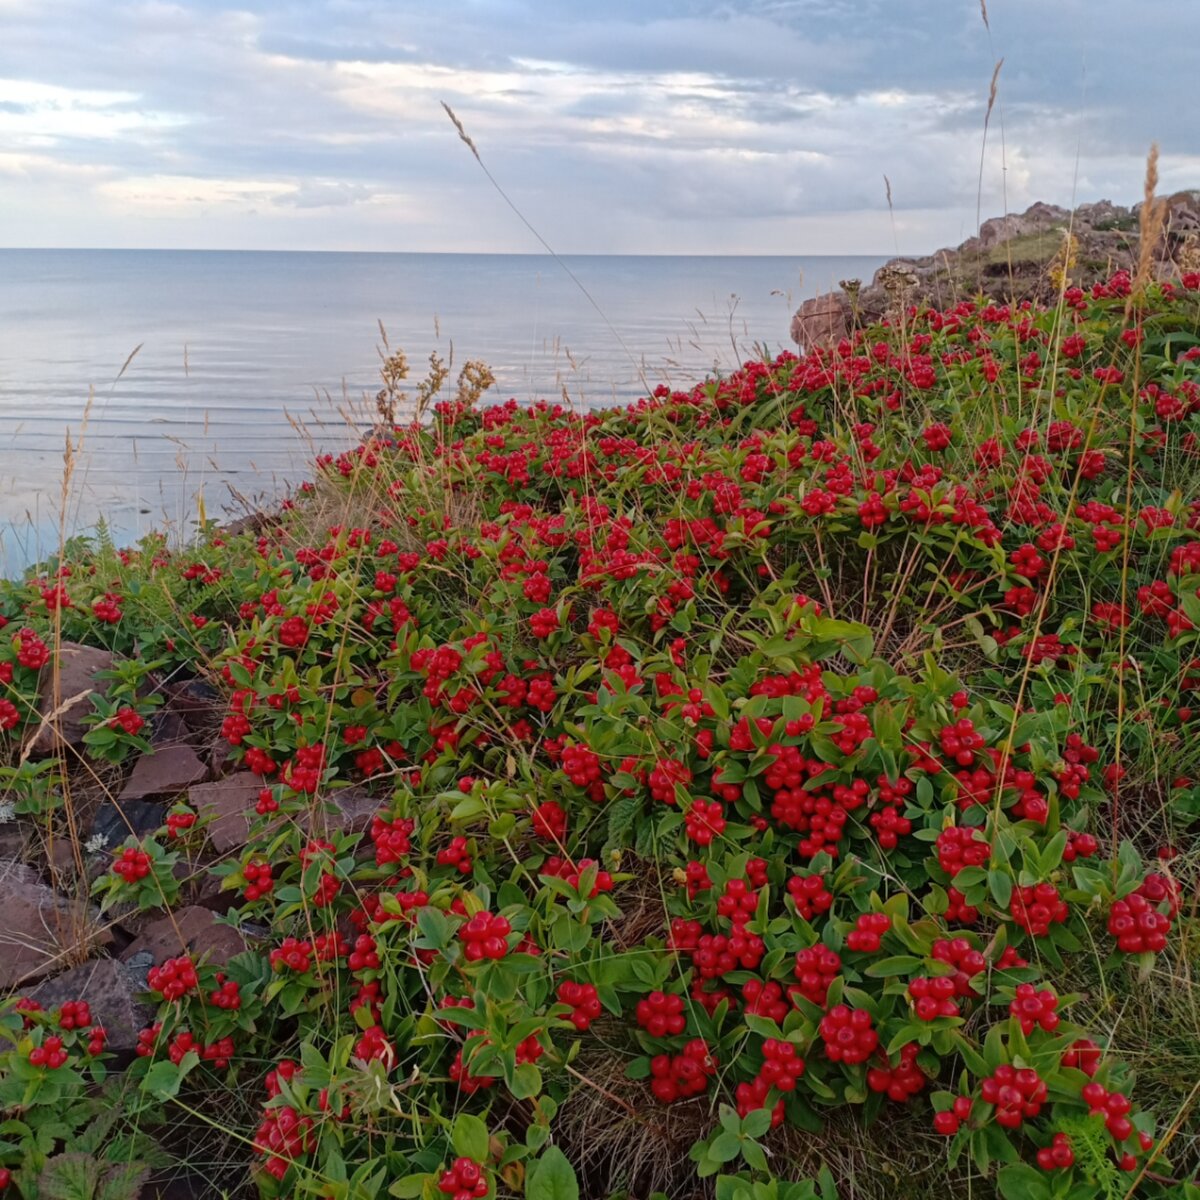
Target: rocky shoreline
[1013, 258]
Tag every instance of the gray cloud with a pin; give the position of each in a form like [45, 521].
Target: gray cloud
[644, 125]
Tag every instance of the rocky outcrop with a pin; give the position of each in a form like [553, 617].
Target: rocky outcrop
[1013, 258]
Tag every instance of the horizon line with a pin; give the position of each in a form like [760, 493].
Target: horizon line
[432, 253]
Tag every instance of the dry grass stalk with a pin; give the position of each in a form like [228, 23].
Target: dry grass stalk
[1153, 215]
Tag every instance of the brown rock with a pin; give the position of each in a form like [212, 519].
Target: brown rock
[77, 668]
[230, 804]
[167, 772]
[820, 322]
[40, 928]
[220, 759]
[194, 698]
[111, 990]
[170, 729]
[191, 930]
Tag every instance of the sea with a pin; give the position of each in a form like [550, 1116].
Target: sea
[203, 381]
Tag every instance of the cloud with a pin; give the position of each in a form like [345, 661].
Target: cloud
[639, 125]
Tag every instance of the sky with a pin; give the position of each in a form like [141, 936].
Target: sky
[636, 126]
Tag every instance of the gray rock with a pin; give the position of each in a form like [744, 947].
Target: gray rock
[115, 820]
[41, 929]
[111, 990]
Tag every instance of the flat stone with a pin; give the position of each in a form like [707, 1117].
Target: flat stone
[229, 804]
[192, 930]
[193, 697]
[167, 772]
[77, 670]
[111, 990]
[169, 729]
[348, 810]
[39, 927]
[115, 820]
[220, 759]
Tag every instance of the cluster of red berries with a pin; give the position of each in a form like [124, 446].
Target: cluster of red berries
[683, 1075]
[1138, 926]
[1017, 1093]
[1113, 1106]
[32, 652]
[291, 954]
[933, 997]
[218, 1053]
[374, 1045]
[782, 1066]
[74, 1014]
[464, 1180]
[131, 864]
[393, 839]
[581, 765]
[960, 846]
[849, 1034]
[485, 936]
[572, 872]
[258, 880]
[961, 742]
[1058, 1155]
[584, 1002]
[364, 956]
[811, 896]
[50, 1054]
[868, 931]
[1084, 1055]
[947, 1121]
[174, 978]
[469, 1084]
[128, 719]
[901, 1082]
[1034, 1008]
[282, 1136]
[661, 1015]
[815, 969]
[226, 995]
[705, 821]
[179, 822]
[456, 855]
[1038, 907]
[964, 958]
[549, 821]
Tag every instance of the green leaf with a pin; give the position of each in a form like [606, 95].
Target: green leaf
[1000, 884]
[470, 1137]
[552, 1178]
[526, 1081]
[725, 1147]
[164, 1078]
[1021, 1182]
[897, 964]
[409, 1187]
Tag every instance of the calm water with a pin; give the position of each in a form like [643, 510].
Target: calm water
[231, 344]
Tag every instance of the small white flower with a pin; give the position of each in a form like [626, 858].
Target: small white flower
[95, 843]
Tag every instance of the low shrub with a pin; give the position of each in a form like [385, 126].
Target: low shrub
[820, 738]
